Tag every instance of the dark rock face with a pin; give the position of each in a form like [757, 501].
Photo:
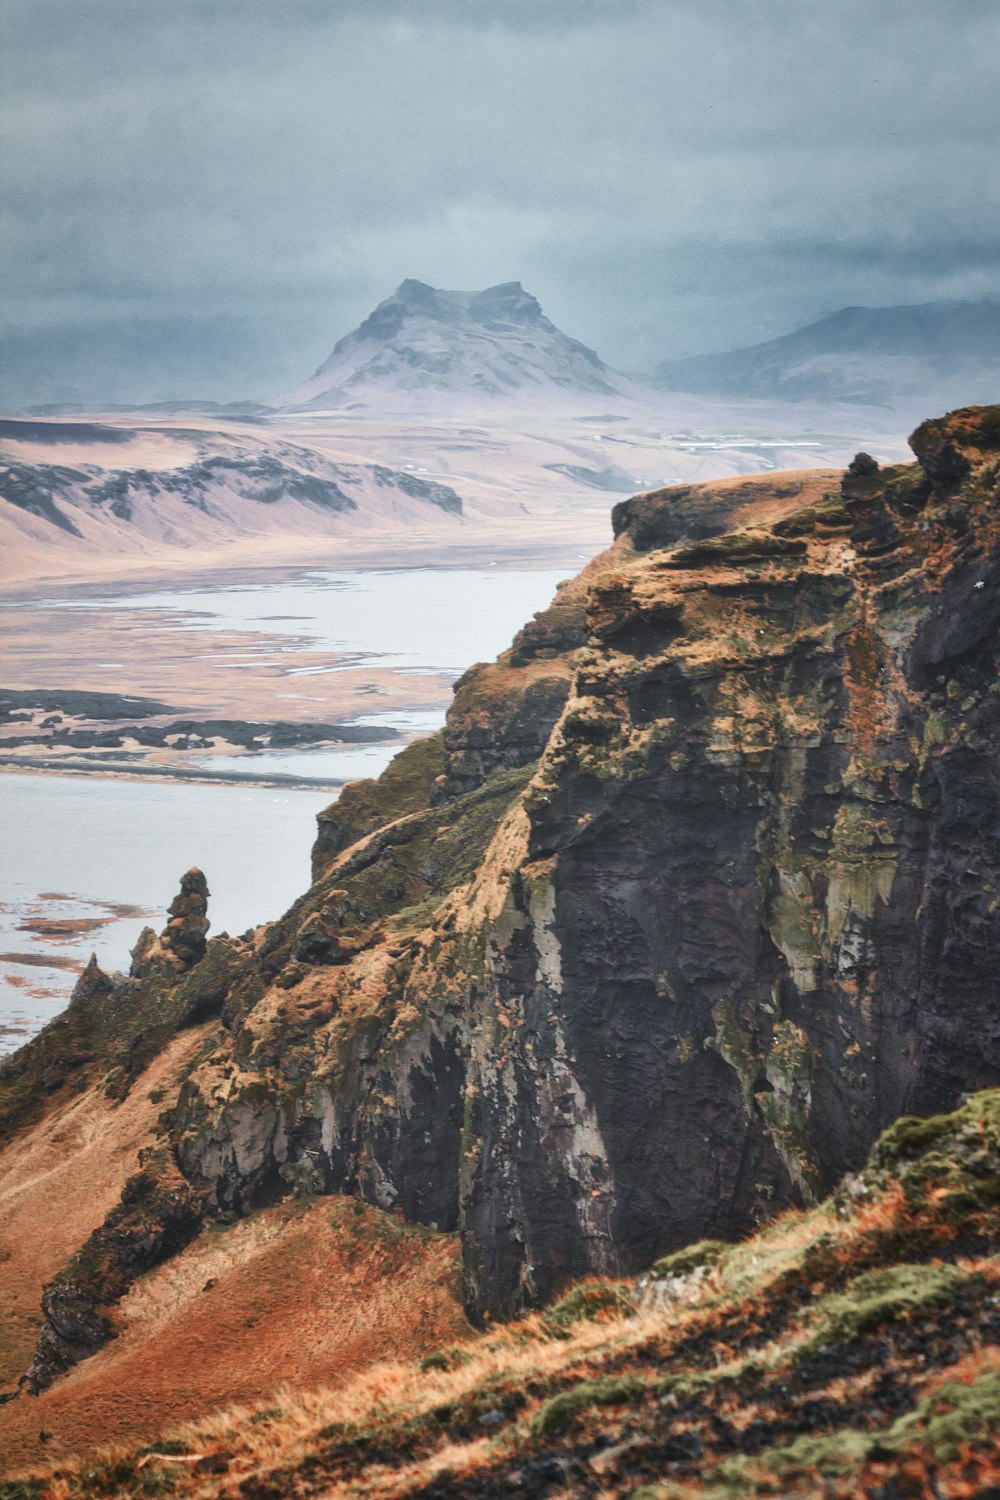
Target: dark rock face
[688, 913]
[742, 915]
[491, 729]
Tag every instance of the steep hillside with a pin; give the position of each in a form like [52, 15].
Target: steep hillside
[851, 1351]
[936, 352]
[421, 346]
[696, 893]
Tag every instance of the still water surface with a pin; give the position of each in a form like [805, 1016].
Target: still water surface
[86, 862]
[406, 619]
[109, 854]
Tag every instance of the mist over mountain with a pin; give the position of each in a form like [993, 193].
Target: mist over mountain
[943, 352]
[494, 347]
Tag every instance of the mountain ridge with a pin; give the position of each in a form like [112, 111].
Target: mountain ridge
[119, 490]
[865, 354]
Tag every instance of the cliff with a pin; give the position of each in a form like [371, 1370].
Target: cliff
[697, 892]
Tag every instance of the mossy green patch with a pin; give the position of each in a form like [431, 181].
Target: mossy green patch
[692, 1258]
[587, 1302]
[446, 1359]
[831, 1455]
[941, 1426]
[879, 1297]
[682, 1384]
[559, 1411]
[954, 1415]
[911, 1136]
[950, 1163]
[401, 875]
[404, 787]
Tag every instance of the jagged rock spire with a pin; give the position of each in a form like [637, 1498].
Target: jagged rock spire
[181, 944]
[93, 984]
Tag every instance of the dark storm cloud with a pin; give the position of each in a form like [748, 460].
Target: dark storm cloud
[243, 180]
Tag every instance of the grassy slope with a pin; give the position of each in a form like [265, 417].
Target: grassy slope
[850, 1350]
[310, 1291]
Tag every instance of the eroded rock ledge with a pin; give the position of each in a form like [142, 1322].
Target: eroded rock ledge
[699, 890]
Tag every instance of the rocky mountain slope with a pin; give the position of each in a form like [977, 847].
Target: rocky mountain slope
[129, 489]
[937, 352]
[695, 894]
[483, 349]
[849, 1351]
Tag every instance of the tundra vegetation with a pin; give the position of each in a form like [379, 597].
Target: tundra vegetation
[845, 1350]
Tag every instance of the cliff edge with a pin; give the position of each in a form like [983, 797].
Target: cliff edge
[697, 892]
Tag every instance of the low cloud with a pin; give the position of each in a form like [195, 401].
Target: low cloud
[248, 179]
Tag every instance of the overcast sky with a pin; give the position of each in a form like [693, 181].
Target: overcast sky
[201, 196]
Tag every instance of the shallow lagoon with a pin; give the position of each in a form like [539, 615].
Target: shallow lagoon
[88, 861]
[91, 850]
[407, 619]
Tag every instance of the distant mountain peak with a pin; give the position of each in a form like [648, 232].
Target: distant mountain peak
[423, 344]
[410, 288]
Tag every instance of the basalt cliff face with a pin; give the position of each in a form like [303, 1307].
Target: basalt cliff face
[697, 892]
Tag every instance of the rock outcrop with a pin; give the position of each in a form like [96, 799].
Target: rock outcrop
[698, 892]
[181, 944]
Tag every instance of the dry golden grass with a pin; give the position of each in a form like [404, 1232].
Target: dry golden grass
[292, 1297]
[711, 1346]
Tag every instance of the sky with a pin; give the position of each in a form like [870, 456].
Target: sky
[200, 196]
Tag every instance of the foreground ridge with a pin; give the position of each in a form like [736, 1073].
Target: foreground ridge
[848, 1350]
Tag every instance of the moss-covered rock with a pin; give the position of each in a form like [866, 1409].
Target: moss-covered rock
[704, 1254]
[586, 1302]
[877, 1298]
[405, 786]
[564, 1408]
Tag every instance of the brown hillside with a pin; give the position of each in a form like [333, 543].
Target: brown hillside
[694, 896]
